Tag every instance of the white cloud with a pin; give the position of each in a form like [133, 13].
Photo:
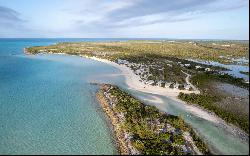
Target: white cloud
[115, 18]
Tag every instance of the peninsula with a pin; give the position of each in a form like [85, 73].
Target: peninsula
[142, 129]
[183, 70]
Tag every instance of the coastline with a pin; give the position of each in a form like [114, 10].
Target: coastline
[133, 82]
[122, 145]
[125, 145]
[26, 52]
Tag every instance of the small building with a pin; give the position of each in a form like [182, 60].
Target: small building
[160, 84]
[198, 67]
[150, 82]
[171, 41]
[138, 72]
[208, 69]
[176, 86]
[181, 87]
[187, 86]
[119, 61]
[167, 84]
[226, 45]
[171, 85]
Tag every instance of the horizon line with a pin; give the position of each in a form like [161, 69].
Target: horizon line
[119, 38]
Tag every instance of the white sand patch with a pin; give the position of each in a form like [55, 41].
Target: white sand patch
[133, 81]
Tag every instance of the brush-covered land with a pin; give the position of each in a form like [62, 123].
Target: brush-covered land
[167, 64]
[220, 51]
[215, 97]
[142, 129]
[158, 62]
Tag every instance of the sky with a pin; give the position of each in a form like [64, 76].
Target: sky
[178, 19]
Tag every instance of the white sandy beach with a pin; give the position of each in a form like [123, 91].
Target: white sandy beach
[133, 81]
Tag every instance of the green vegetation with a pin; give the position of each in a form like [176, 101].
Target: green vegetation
[158, 61]
[215, 51]
[246, 73]
[213, 101]
[166, 69]
[163, 62]
[201, 79]
[208, 102]
[147, 125]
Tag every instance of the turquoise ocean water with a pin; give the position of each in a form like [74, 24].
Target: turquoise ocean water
[48, 106]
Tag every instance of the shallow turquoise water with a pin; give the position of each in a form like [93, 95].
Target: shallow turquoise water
[47, 105]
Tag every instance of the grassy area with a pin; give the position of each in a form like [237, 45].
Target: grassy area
[180, 49]
[209, 99]
[143, 122]
[201, 79]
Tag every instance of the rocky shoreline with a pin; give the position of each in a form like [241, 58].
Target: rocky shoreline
[125, 141]
[26, 51]
[123, 144]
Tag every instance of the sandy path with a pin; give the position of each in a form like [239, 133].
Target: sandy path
[189, 83]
